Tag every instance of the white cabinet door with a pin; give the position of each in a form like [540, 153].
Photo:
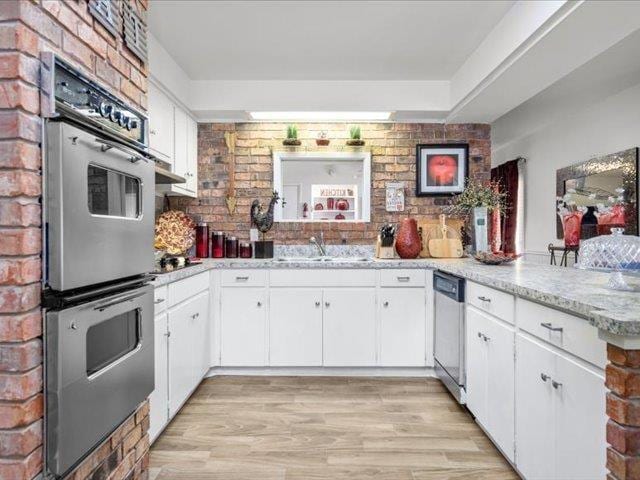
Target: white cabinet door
[349, 327]
[159, 399]
[476, 360]
[580, 422]
[180, 149]
[161, 131]
[500, 414]
[535, 415]
[200, 336]
[180, 355]
[243, 329]
[402, 327]
[192, 156]
[295, 327]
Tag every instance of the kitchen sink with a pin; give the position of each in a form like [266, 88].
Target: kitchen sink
[322, 259]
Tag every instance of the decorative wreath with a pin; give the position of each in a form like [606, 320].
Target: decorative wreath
[175, 232]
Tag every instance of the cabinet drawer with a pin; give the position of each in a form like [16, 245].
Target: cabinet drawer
[323, 278]
[573, 334]
[402, 278]
[160, 299]
[244, 278]
[495, 302]
[187, 287]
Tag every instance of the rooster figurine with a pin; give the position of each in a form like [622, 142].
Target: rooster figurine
[261, 219]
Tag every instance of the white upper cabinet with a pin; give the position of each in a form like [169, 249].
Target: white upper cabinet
[173, 137]
[161, 133]
[402, 327]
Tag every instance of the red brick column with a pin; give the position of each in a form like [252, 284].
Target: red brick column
[28, 27]
[623, 409]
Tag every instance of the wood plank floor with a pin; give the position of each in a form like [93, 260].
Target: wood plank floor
[321, 428]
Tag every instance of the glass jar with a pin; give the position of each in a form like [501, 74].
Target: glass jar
[217, 245]
[202, 240]
[245, 250]
[231, 247]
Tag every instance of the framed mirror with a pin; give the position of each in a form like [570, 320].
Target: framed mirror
[323, 186]
[602, 182]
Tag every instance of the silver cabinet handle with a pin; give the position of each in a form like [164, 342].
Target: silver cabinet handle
[385, 304]
[242, 279]
[544, 377]
[259, 304]
[485, 338]
[317, 304]
[168, 334]
[152, 132]
[327, 304]
[555, 384]
[73, 326]
[484, 299]
[195, 315]
[160, 300]
[479, 335]
[548, 326]
[403, 279]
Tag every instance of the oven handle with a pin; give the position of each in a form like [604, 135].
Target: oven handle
[108, 145]
[104, 306]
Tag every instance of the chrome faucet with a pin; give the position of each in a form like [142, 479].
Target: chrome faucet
[319, 244]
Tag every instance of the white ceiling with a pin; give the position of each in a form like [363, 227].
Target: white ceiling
[322, 40]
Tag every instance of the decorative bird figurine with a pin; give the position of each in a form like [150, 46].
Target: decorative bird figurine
[261, 219]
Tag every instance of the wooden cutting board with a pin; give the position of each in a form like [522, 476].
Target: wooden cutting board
[430, 228]
[447, 244]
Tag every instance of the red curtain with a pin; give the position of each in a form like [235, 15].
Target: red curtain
[507, 175]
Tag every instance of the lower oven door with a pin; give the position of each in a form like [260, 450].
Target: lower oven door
[99, 210]
[99, 369]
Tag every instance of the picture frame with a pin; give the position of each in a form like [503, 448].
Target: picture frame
[441, 168]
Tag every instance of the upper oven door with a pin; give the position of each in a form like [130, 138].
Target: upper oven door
[99, 368]
[100, 209]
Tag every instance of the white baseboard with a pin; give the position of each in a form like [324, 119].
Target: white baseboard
[419, 372]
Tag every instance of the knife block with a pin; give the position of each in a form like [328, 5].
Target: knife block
[385, 252]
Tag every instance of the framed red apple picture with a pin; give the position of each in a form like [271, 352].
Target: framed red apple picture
[441, 169]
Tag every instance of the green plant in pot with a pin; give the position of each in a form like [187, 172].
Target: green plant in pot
[474, 205]
[355, 138]
[292, 136]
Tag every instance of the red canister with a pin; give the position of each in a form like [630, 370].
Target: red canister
[217, 245]
[202, 240]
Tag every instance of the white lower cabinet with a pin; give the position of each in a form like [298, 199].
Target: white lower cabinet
[187, 348]
[402, 327]
[159, 399]
[243, 329]
[560, 420]
[295, 327]
[490, 377]
[349, 327]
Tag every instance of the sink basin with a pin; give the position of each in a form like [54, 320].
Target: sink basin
[322, 259]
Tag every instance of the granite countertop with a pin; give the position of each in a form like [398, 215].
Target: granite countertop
[579, 292]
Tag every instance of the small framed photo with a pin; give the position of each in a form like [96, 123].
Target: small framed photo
[441, 169]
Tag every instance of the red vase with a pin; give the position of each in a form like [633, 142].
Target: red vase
[572, 227]
[408, 244]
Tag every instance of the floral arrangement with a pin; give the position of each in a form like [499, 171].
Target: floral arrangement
[570, 214]
[478, 194]
[611, 213]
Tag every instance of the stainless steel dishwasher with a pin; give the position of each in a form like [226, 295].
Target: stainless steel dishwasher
[449, 332]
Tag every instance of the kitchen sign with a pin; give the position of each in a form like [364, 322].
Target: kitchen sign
[333, 191]
[395, 197]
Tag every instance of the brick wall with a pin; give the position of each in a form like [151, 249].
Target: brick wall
[28, 27]
[393, 159]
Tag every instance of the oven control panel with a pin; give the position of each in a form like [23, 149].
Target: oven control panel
[93, 102]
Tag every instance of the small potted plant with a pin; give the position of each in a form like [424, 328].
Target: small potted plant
[322, 140]
[292, 136]
[355, 139]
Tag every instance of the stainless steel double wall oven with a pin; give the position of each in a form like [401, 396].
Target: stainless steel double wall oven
[99, 215]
